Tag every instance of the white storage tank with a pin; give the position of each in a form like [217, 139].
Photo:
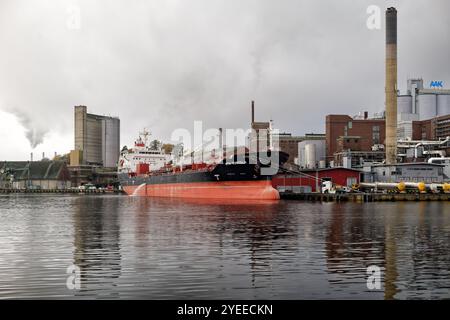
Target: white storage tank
[426, 106]
[322, 164]
[320, 147]
[310, 153]
[404, 104]
[443, 104]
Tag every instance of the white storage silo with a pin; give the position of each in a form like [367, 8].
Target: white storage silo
[426, 106]
[310, 155]
[322, 164]
[443, 104]
[404, 104]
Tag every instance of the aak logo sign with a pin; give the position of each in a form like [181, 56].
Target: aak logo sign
[437, 84]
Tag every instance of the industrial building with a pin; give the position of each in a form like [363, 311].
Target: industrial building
[353, 142]
[310, 180]
[296, 147]
[421, 150]
[259, 139]
[402, 172]
[422, 104]
[48, 175]
[97, 139]
[311, 151]
[98, 176]
[354, 139]
[306, 151]
[432, 129]
[420, 107]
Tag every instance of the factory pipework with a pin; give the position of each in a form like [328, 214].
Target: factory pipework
[391, 86]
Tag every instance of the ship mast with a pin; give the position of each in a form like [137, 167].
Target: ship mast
[145, 134]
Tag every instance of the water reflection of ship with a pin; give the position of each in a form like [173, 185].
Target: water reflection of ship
[263, 229]
[97, 242]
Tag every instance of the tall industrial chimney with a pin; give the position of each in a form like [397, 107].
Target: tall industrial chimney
[391, 86]
[221, 142]
[253, 111]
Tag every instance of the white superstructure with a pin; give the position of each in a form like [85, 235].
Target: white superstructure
[142, 154]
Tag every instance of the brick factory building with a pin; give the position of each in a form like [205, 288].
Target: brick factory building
[431, 129]
[343, 133]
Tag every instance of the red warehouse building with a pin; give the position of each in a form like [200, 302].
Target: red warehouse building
[310, 180]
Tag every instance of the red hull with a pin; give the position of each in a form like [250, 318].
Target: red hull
[244, 190]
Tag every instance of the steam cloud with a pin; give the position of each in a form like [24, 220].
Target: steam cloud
[33, 131]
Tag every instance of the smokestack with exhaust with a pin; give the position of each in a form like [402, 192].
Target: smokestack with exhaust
[253, 112]
[391, 86]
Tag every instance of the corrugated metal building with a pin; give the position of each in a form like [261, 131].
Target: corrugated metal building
[406, 172]
[34, 175]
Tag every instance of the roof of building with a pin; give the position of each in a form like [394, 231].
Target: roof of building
[434, 91]
[260, 125]
[329, 169]
[349, 137]
[33, 170]
[408, 164]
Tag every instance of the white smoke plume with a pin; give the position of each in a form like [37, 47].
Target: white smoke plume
[34, 132]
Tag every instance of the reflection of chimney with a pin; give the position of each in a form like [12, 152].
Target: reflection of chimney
[43, 155]
[391, 86]
[31, 157]
[253, 111]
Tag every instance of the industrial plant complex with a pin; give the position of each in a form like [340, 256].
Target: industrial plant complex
[409, 142]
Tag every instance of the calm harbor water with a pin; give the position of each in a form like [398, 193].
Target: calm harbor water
[131, 247]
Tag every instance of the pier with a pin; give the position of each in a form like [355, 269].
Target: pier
[365, 197]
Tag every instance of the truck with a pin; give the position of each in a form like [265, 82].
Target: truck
[329, 187]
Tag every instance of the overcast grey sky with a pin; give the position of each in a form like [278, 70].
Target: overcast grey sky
[163, 64]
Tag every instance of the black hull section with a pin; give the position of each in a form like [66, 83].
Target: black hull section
[222, 172]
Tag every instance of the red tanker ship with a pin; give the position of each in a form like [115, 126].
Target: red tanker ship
[235, 177]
